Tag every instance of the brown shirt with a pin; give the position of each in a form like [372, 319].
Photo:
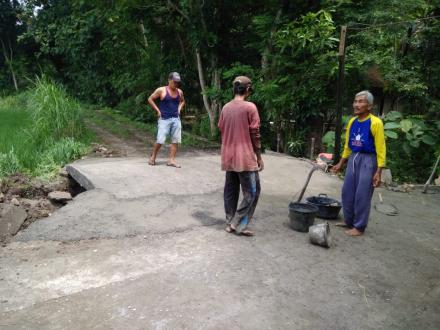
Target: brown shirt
[236, 119]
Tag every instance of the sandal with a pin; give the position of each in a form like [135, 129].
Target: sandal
[248, 233]
[151, 162]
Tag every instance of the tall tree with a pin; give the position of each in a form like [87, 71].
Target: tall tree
[8, 34]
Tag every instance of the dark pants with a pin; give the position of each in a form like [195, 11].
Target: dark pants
[358, 189]
[250, 186]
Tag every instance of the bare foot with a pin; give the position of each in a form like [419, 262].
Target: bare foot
[173, 164]
[230, 228]
[354, 232]
[152, 162]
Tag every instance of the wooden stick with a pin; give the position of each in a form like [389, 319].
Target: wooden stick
[306, 184]
[425, 187]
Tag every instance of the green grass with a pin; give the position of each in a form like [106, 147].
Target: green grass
[15, 150]
[109, 124]
[12, 123]
[41, 130]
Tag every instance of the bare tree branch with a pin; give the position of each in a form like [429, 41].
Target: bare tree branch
[172, 5]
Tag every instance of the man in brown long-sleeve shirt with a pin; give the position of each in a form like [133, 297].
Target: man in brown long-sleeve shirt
[241, 157]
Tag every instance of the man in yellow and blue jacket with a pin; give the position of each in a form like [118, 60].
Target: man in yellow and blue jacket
[365, 152]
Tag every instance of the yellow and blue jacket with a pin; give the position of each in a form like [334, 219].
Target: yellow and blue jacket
[366, 136]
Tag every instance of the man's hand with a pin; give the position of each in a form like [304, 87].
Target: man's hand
[377, 178]
[335, 169]
[260, 164]
[158, 114]
[338, 167]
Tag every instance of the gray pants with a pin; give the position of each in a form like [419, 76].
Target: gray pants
[250, 186]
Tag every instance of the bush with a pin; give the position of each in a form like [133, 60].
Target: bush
[54, 113]
[40, 130]
[137, 109]
[202, 127]
[59, 154]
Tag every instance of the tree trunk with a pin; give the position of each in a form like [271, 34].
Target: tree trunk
[144, 35]
[9, 61]
[206, 102]
[182, 49]
[268, 50]
[216, 104]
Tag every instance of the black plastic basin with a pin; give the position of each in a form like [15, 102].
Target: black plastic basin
[328, 208]
[302, 216]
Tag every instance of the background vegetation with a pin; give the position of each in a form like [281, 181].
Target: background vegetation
[116, 53]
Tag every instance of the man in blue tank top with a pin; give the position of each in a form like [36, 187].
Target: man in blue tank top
[170, 105]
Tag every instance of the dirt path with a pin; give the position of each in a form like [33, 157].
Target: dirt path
[126, 140]
[129, 142]
[121, 147]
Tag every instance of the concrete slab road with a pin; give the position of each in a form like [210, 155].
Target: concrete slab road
[146, 249]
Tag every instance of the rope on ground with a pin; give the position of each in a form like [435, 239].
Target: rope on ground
[364, 292]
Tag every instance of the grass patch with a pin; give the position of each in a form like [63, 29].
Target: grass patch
[41, 130]
[109, 124]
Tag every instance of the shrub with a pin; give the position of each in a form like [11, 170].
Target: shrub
[40, 130]
[59, 154]
[202, 127]
[54, 113]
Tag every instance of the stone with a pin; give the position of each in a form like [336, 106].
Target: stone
[437, 181]
[31, 203]
[11, 219]
[44, 213]
[63, 173]
[59, 196]
[15, 201]
[2, 197]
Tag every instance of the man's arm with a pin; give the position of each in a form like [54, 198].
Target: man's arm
[157, 93]
[379, 143]
[256, 144]
[254, 131]
[182, 101]
[347, 151]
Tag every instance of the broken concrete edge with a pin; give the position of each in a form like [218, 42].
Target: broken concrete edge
[11, 219]
[80, 177]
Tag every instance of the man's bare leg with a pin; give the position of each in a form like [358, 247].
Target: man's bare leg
[153, 156]
[173, 152]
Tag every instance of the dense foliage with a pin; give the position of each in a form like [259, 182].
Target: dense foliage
[116, 53]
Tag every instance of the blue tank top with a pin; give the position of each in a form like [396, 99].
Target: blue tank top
[361, 139]
[169, 106]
